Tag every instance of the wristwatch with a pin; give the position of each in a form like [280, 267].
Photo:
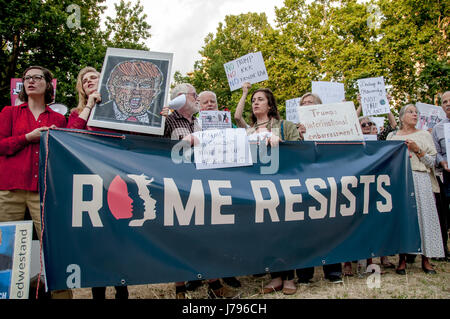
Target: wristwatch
[418, 152]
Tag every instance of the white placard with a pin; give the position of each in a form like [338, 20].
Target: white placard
[447, 139]
[370, 137]
[15, 259]
[329, 92]
[210, 120]
[330, 122]
[222, 148]
[291, 110]
[248, 68]
[373, 96]
[429, 115]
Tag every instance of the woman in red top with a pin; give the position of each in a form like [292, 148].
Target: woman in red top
[20, 131]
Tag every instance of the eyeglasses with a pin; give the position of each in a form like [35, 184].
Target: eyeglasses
[366, 124]
[36, 78]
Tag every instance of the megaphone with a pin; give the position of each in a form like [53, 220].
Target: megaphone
[178, 102]
[59, 108]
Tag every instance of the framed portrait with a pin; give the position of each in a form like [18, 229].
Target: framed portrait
[134, 87]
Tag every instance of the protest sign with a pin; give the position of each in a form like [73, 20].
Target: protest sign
[429, 115]
[15, 258]
[248, 68]
[185, 224]
[210, 120]
[292, 106]
[222, 148]
[16, 87]
[373, 96]
[330, 122]
[329, 92]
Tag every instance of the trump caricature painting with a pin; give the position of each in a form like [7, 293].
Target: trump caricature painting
[133, 86]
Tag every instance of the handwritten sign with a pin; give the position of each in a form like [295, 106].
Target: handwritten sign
[291, 110]
[210, 120]
[330, 122]
[222, 148]
[329, 92]
[373, 96]
[248, 68]
[429, 115]
[16, 87]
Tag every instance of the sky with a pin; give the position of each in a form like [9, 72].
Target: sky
[180, 26]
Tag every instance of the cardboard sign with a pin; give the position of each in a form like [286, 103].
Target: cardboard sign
[429, 115]
[291, 110]
[16, 87]
[211, 120]
[330, 122]
[329, 92]
[373, 96]
[15, 258]
[379, 121]
[248, 68]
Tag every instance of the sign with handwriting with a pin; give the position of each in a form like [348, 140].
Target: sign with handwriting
[248, 68]
[291, 110]
[222, 148]
[373, 96]
[330, 122]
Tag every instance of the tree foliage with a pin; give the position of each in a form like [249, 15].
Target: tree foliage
[405, 41]
[63, 36]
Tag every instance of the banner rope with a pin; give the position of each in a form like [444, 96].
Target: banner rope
[45, 189]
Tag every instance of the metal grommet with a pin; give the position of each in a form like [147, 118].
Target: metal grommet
[412, 194]
[373, 255]
[267, 269]
[123, 282]
[323, 262]
[199, 276]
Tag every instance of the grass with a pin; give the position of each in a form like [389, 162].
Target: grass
[415, 285]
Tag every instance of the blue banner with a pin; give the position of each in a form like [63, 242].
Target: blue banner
[124, 209]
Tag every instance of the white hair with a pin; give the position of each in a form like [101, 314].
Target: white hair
[180, 89]
[206, 92]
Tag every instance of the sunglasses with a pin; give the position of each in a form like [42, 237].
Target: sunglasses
[366, 124]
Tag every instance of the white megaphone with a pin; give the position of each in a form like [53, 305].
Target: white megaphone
[178, 102]
[59, 108]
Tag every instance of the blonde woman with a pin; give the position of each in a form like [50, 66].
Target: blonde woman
[88, 97]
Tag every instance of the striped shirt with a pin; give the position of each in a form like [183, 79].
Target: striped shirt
[177, 127]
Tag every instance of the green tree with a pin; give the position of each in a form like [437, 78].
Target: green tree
[129, 28]
[414, 48]
[63, 36]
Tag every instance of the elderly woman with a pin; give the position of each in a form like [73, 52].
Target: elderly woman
[423, 155]
[20, 131]
[267, 126]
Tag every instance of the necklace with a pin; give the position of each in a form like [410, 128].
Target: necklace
[262, 123]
